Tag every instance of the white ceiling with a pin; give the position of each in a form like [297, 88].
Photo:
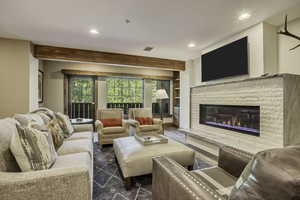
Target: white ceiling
[167, 25]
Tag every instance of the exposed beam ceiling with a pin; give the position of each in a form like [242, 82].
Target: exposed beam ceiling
[94, 73]
[59, 53]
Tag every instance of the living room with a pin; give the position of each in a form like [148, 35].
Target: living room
[118, 102]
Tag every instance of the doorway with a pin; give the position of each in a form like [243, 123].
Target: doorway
[82, 97]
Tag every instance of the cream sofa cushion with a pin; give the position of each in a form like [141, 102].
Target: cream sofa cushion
[145, 128]
[109, 113]
[81, 135]
[76, 146]
[141, 112]
[32, 148]
[74, 160]
[114, 129]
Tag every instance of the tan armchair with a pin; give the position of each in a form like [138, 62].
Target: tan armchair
[107, 134]
[137, 128]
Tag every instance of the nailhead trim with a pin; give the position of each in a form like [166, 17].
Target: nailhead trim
[199, 182]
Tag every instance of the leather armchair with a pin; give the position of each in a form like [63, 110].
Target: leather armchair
[107, 134]
[137, 128]
[171, 181]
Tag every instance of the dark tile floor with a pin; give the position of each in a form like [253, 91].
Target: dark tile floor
[108, 184]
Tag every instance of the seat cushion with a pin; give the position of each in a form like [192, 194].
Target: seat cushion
[74, 160]
[76, 146]
[217, 178]
[81, 135]
[112, 130]
[145, 128]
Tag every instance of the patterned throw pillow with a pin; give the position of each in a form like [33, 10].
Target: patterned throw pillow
[32, 148]
[57, 133]
[46, 111]
[144, 120]
[111, 122]
[65, 124]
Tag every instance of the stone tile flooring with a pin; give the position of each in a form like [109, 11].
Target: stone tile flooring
[108, 184]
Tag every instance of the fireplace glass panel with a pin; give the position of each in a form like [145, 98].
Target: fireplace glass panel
[244, 119]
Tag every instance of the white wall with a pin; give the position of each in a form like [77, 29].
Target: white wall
[185, 78]
[270, 38]
[289, 61]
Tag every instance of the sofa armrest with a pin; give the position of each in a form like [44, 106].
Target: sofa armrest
[98, 126]
[125, 124]
[133, 123]
[54, 184]
[233, 160]
[171, 181]
[83, 128]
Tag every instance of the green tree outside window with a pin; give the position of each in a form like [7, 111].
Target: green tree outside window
[124, 90]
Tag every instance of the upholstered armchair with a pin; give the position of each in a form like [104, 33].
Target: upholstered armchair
[171, 181]
[142, 122]
[110, 125]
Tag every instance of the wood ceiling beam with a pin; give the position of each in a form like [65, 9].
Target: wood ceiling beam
[110, 74]
[60, 53]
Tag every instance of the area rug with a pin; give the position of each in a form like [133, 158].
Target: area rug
[108, 184]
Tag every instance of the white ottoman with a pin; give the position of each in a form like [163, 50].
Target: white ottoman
[135, 159]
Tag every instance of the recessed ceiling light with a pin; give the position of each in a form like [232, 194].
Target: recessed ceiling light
[94, 31]
[244, 16]
[191, 45]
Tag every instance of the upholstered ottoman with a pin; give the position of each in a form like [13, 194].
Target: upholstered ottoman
[135, 159]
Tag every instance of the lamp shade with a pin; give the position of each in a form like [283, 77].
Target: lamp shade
[161, 94]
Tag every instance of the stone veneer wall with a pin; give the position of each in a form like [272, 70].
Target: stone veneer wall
[268, 93]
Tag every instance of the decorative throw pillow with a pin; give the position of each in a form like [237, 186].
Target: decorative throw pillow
[56, 132]
[144, 120]
[33, 149]
[47, 111]
[65, 124]
[111, 122]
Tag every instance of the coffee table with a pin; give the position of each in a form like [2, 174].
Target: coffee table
[135, 159]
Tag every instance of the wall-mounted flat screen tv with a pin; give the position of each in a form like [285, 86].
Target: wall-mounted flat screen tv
[227, 61]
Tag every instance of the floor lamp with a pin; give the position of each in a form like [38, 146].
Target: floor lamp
[160, 95]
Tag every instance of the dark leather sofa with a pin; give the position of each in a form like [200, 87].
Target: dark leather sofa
[269, 175]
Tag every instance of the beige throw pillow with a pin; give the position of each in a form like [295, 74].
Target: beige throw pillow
[65, 124]
[33, 149]
[57, 133]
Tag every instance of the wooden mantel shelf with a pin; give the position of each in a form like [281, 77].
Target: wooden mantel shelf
[60, 53]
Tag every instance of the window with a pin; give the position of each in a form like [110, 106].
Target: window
[82, 90]
[156, 85]
[124, 90]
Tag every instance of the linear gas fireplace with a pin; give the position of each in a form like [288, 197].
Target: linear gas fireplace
[244, 119]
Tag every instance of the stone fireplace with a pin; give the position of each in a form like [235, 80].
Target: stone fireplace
[265, 108]
[243, 119]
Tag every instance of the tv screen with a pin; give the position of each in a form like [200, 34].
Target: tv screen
[229, 60]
